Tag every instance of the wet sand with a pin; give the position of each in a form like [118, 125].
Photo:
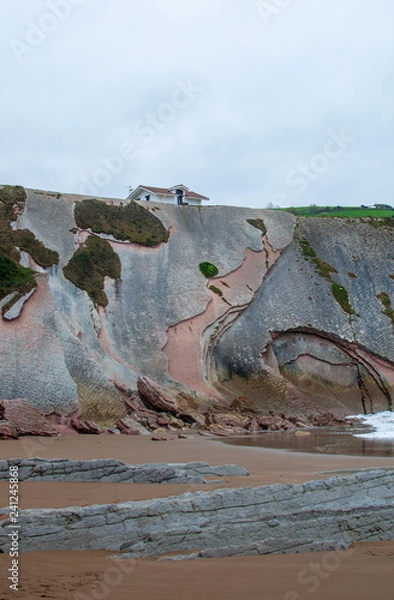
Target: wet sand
[366, 571]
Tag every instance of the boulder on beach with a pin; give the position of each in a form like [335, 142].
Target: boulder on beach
[25, 418]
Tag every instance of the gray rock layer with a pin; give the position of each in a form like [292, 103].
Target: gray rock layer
[295, 330]
[339, 510]
[60, 351]
[111, 470]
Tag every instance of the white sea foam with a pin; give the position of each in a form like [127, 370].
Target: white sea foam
[382, 423]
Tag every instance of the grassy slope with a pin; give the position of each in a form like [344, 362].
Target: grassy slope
[357, 212]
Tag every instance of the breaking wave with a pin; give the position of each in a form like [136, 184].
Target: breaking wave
[382, 424]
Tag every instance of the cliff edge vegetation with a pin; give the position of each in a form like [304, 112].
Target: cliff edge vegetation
[13, 276]
[92, 262]
[131, 223]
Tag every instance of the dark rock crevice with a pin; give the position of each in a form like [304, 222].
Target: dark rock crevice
[306, 370]
[360, 358]
[217, 329]
[366, 399]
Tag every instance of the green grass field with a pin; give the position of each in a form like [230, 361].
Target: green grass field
[346, 211]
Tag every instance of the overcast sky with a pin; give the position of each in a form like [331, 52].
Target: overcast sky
[288, 102]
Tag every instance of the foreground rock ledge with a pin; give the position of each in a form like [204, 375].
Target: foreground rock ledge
[330, 513]
[112, 470]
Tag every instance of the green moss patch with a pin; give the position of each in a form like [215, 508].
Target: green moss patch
[387, 307]
[93, 261]
[216, 290]
[342, 297]
[306, 249]
[7, 245]
[13, 197]
[14, 278]
[379, 223]
[27, 241]
[219, 292]
[323, 268]
[12, 201]
[208, 269]
[259, 224]
[131, 223]
[380, 211]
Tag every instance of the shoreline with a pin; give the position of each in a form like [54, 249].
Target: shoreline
[63, 575]
[322, 441]
[266, 465]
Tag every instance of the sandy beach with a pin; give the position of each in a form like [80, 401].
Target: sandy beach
[365, 571]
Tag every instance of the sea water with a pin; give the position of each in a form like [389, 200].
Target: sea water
[382, 424]
[372, 436]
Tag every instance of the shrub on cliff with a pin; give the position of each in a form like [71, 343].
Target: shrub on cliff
[93, 261]
[387, 306]
[342, 297]
[258, 224]
[12, 202]
[131, 223]
[216, 290]
[13, 196]
[208, 269]
[323, 268]
[27, 241]
[306, 249]
[14, 278]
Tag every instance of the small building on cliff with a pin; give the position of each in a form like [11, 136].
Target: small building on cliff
[177, 194]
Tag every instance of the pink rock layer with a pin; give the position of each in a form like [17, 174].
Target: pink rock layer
[188, 341]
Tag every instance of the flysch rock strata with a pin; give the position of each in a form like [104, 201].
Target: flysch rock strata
[337, 511]
[268, 327]
[268, 546]
[111, 470]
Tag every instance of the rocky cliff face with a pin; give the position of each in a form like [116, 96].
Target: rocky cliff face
[322, 323]
[298, 317]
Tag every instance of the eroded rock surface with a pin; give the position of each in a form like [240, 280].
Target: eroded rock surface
[25, 419]
[268, 327]
[7, 431]
[112, 470]
[295, 348]
[338, 511]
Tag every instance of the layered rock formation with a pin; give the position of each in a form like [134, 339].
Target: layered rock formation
[334, 351]
[19, 417]
[111, 470]
[298, 319]
[327, 514]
